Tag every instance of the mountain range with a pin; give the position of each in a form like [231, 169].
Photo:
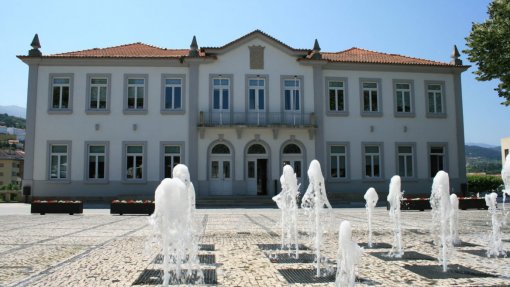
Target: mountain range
[14, 111]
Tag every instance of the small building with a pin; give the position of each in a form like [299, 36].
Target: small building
[11, 167]
[110, 122]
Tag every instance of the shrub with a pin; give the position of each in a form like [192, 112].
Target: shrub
[484, 183]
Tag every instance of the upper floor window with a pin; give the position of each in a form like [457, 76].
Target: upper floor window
[370, 97]
[221, 93]
[61, 89]
[291, 93]
[336, 92]
[256, 94]
[173, 94]
[98, 92]
[403, 96]
[136, 93]
[435, 99]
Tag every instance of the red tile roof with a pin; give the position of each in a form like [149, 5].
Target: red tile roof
[135, 50]
[357, 55]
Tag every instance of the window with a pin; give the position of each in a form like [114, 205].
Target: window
[134, 162]
[372, 161]
[338, 161]
[173, 94]
[59, 163]
[135, 93]
[403, 96]
[61, 92]
[405, 161]
[96, 161]
[291, 92]
[435, 99]
[370, 97]
[292, 155]
[256, 94]
[98, 92]
[336, 92]
[220, 162]
[172, 157]
[437, 159]
[221, 94]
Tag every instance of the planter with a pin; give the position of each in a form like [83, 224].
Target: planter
[472, 202]
[56, 206]
[132, 207]
[415, 204]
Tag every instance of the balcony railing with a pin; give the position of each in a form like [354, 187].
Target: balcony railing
[260, 119]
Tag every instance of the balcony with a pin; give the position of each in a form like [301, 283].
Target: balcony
[256, 119]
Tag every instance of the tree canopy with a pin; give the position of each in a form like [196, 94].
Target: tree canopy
[489, 47]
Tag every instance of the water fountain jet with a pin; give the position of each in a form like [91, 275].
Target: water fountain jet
[348, 256]
[441, 215]
[317, 207]
[454, 219]
[495, 246]
[371, 198]
[394, 198]
[286, 201]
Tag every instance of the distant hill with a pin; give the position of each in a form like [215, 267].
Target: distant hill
[483, 160]
[12, 122]
[14, 111]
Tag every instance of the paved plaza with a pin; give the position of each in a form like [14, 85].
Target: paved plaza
[238, 248]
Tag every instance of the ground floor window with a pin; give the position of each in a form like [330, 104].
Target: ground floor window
[372, 161]
[134, 162]
[405, 161]
[338, 161]
[172, 157]
[59, 164]
[437, 159]
[96, 158]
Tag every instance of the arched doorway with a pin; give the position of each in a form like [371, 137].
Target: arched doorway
[257, 169]
[220, 169]
[293, 156]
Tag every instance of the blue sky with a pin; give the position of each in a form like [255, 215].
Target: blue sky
[419, 28]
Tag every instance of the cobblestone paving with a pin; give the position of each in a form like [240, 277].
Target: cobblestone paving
[106, 250]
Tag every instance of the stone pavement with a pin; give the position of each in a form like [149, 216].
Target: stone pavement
[98, 249]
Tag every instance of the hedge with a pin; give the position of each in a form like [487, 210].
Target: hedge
[484, 183]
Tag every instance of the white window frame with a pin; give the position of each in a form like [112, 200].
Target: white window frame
[69, 85]
[377, 90]
[143, 155]
[435, 113]
[410, 91]
[127, 85]
[345, 156]
[372, 161]
[164, 154]
[412, 154]
[182, 86]
[295, 95]
[222, 86]
[444, 155]
[88, 154]
[60, 155]
[257, 89]
[95, 109]
[328, 89]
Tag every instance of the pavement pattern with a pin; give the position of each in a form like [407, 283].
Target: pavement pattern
[99, 249]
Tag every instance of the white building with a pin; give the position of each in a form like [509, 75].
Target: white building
[112, 122]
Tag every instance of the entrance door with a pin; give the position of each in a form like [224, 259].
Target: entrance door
[262, 176]
[220, 170]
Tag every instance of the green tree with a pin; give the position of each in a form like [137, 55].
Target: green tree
[489, 47]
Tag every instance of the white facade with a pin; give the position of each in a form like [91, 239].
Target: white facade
[275, 120]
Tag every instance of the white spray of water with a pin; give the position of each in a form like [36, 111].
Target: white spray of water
[348, 256]
[495, 246]
[172, 224]
[371, 198]
[454, 219]
[441, 214]
[394, 197]
[505, 176]
[317, 207]
[286, 201]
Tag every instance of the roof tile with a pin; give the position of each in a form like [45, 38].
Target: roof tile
[135, 50]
